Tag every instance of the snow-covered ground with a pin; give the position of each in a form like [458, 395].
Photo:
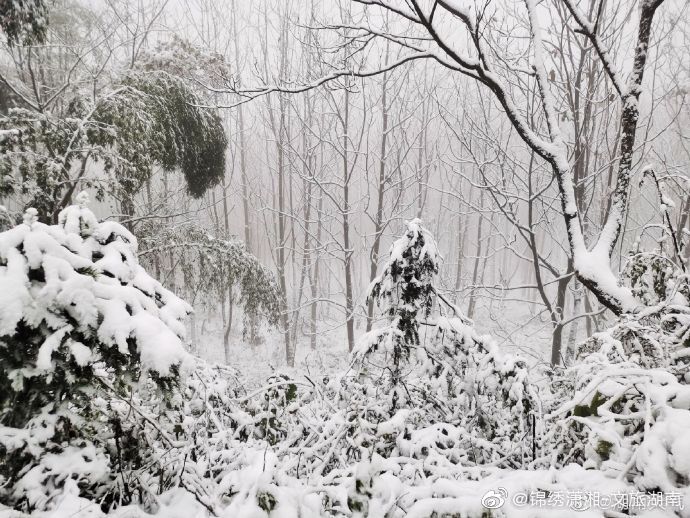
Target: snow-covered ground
[428, 417]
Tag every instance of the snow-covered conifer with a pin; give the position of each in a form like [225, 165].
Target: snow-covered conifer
[405, 291]
[428, 365]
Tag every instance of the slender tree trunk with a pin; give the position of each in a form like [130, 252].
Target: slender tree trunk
[156, 259]
[557, 319]
[462, 239]
[289, 353]
[195, 340]
[460, 256]
[214, 207]
[227, 327]
[574, 325]
[307, 188]
[241, 138]
[556, 341]
[226, 345]
[279, 131]
[422, 166]
[349, 299]
[378, 223]
[685, 221]
[315, 276]
[477, 259]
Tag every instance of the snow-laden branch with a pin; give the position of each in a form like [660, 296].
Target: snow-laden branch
[628, 129]
[591, 264]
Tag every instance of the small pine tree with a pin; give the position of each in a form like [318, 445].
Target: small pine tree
[405, 291]
[454, 377]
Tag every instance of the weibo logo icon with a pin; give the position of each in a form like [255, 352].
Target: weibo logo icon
[495, 498]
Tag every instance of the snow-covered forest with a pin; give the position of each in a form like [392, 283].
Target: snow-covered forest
[344, 258]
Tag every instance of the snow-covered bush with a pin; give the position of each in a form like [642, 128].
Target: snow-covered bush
[466, 421]
[81, 326]
[443, 390]
[338, 445]
[627, 409]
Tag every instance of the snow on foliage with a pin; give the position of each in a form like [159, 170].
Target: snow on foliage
[627, 409]
[429, 418]
[78, 316]
[213, 266]
[83, 281]
[405, 289]
[447, 374]
[146, 119]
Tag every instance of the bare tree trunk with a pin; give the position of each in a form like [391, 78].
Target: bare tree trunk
[462, 239]
[378, 223]
[193, 333]
[685, 220]
[628, 130]
[253, 324]
[557, 319]
[555, 310]
[227, 326]
[226, 344]
[315, 276]
[279, 130]
[575, 324]
[214, 211]
[243, 152]
[461, 233]
[289, 353]
[307, 187]
[477, 259]
[422, 166]
[349, 302]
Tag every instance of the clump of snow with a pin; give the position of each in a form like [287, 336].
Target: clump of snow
[91, 283]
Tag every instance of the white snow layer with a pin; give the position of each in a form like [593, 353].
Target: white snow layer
[91, 273]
